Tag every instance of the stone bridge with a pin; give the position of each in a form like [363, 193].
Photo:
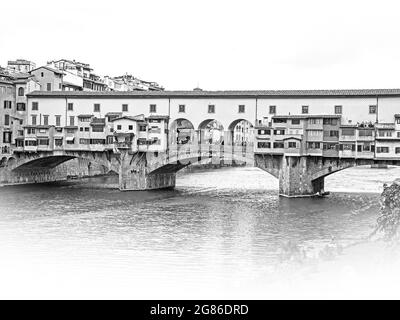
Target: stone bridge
[298, 175]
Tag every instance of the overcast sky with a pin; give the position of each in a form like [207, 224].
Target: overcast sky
[212, 43]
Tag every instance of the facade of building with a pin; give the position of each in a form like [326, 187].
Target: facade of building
[7, 110]
[344, 124]
[130, 83]
[20, 66]
[13, 111]
[77, 76]
[50, 79]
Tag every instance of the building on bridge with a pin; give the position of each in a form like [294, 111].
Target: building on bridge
[299, 136]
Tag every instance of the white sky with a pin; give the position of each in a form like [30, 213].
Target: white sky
[216, 44]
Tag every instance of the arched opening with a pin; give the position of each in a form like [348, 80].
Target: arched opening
[21, 91]
[211, 131]
[361, 178]
[3, 162]
[181, 132]
[11, 161]
[241, 133]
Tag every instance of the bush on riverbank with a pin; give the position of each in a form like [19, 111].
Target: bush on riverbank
[388, 221]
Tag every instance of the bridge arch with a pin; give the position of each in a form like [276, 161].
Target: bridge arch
[342, 164]
[40, 161]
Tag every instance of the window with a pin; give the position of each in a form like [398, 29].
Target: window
[97, 129]
[110, 139]
[314, 133]
[153, 108]
[266, 132]
[385, 133]
[21, 106]
[6, 120]
[398, 120]
[347, 147]
[241, 108]
[7, 104]
[142, 128]
[365, 132]
[43, 142]
[211, 108]
[31, 130]
[272, 109]
[348, 132]
[81, 129]
[87, 129]
[338, 109]
[7, 137]
[96, 107]
[84, 141]
[292, 145]
[314, 145]
[119, 127]
[331, 133]
[279, 132]
[49, 87]
[130, 127]
[331, 146]
[278, 120]
[97, 141]
[70, 130]
[58, 142]
[382, 149]
[304, 109]
[264, 145]
[21, 91]
[182, 108]
[372, 109]
[42, 74]
[58, 121]
[330, 121]
[70, 140]
[30, 143]
[124, 108]
[72, 121]
[70, 107]
[45, 120]
[35, 106]
[278, 145]
[295, 121]
[34, 117]
[314, 121]
[397, 150]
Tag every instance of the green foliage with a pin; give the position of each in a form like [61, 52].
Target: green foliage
[388, 221]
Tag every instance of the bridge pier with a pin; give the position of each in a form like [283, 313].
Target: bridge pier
[295, 178]
[134, 173]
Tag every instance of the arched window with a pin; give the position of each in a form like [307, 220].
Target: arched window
[21, 91]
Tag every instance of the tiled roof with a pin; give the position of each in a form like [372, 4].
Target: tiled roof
[50, 69]
[221, 94]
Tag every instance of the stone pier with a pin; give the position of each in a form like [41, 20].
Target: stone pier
[135, 173]
[295, 178]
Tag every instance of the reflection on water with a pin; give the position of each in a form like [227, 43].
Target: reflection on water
[217, 228]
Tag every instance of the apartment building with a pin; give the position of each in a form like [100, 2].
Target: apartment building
[20, 66]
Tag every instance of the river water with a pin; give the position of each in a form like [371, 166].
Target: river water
[217, 231]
